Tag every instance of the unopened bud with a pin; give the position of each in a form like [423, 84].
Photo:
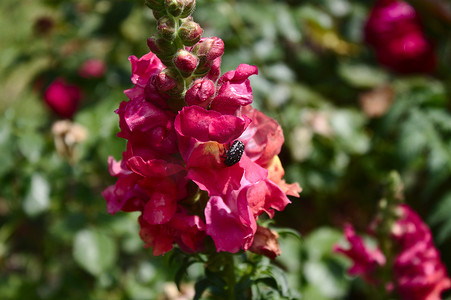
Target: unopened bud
[166, 27]
[167, 80]
[265, 243]
[158, 14]
[190, 33]
[200, 93]
[175, 7]
[155, 4]
[152, 44]
[160, 45]
[188, 8]
[207, 49]
[185, 62]
[210, 48]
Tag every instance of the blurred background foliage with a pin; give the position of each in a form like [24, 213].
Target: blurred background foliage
[347, 123]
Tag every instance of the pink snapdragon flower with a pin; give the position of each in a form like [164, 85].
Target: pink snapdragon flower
[176, 157]
[394, 30]
[62, 98]
[365, 260]
[418, 272]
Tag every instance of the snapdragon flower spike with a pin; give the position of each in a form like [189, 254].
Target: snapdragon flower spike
[172, 147]
[418, 272]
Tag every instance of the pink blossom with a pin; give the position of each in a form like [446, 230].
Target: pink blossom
[144, 72]
[365, 260]
[149, 129]
[62, 98]
[263, 139]
[185, 230]
[208, 125]
[394, 30]
[144, 68]
[229, 221]
[419, 272]
[234, 89]
[92, 68]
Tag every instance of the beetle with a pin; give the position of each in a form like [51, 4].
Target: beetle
[233, 155]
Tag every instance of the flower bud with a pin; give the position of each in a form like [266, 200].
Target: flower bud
[155, 4]
[175, 7]
[168, 80]
[190, 33]
[158, 14]
[265, 243]
[166, 27]
[160, 46]
[207, 49]
[200, 93]
[188, 8]
[185, 62]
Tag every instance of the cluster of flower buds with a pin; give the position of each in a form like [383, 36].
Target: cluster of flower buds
[179, 46]
[412, 264]
[201, 164]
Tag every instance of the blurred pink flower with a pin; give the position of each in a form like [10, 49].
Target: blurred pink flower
[365, 260]
[394, 30]
[418, 269]
[92, 68]
[62, 98]
[418, 272]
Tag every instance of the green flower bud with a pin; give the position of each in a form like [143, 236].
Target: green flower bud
[161, 46]
[188, 8]
[175, 7]
[155, 4]
[157, 14]
[190, 33]
[166, 27]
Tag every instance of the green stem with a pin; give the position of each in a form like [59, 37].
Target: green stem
[230, 275]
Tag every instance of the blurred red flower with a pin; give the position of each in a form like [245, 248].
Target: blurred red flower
[62, 98]
[394, 30]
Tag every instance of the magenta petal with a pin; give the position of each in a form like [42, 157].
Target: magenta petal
[207, 125]
[153, 167]
[234, 89]
[144, 67]
[160, 209]
[231, 229]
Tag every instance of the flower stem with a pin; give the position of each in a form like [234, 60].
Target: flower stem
[229, 271]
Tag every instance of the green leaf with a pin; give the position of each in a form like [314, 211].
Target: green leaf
[330, 282]
[38, 197]
[361, 75]
[94, 251]
[200, 287]
[283, 232]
